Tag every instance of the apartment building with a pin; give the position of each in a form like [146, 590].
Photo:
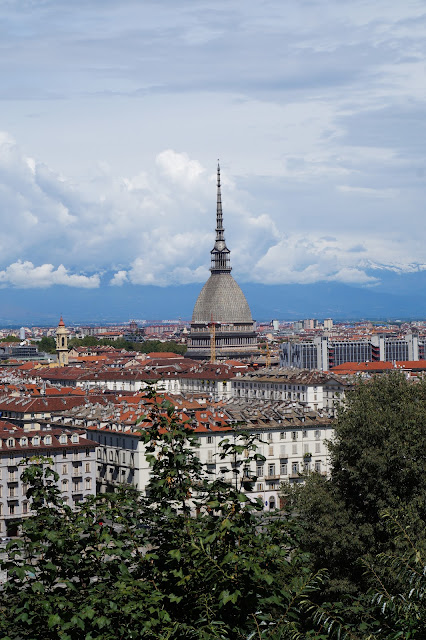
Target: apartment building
[319, 391]
[69, 453]
[292, 437]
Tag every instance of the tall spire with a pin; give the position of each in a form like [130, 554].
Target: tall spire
[220, 262]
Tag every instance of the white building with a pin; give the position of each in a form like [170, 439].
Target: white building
[293, 440]
[69, 453]
[317, 390]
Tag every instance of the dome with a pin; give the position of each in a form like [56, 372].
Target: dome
[222, 300]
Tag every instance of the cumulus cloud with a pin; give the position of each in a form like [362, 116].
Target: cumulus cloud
[25, 275]
[327, 145]
[119, 278]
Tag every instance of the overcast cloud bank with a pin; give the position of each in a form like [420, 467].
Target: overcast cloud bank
[113, 117]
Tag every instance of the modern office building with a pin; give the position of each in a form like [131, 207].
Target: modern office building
[324, 353]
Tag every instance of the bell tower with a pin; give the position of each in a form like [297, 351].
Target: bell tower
[62, 343]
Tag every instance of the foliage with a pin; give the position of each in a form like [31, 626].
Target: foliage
[46, 345]
[194, 558]
[378, 462]
[147, 346]
[10, 339]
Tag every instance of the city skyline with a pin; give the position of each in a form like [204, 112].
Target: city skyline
[113, 118]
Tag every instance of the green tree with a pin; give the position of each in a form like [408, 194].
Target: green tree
[46, 345]
[195, 558]
[378, 462]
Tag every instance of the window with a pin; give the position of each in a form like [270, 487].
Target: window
[10, 442]
[99, 454]
[123, 457]
[12, 509]
[64, 469]
[317, 435]
[271, 469]
[12, 492]
[88, 484]
[64, 454]
[259, 470]
[270, 436]
[111, 455]
[304, 434]
[74, 438]
[283, 468]
[210, 456]
[260, 486]
[317, 447]
[283, 435]
[271, 450]
[25, 507]
[282, 450]
[75, 455]
[295, 468]
[294, 449]
[65, 485]
[63, 438]
[209, 439]
[87, 467]
[318, 466]
[36, 441]
[47, 439]
[305, 448]
[294, 435]
[87, 453]
[24, 488]
[24, 442]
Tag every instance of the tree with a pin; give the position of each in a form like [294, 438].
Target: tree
[194, 558]
[46, 345]
[378, 462]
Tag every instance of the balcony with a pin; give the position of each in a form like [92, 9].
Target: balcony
[270, 478]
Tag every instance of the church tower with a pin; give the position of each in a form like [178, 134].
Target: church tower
[62, 343]
[222, 326]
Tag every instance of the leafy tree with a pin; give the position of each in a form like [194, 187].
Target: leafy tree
[378, 462]
[394, 607]
[194, 558]
[10, 339]
[144, 347]
[46, 345]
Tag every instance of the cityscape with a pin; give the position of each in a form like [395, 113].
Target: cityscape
[212, 371]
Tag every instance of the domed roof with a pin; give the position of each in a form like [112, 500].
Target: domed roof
[222, 300]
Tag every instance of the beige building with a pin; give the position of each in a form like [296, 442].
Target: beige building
[69, 453]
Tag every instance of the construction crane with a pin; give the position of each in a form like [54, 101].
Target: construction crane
[268, 357]
[212, 327]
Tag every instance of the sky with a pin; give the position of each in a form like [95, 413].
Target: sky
[113, 114]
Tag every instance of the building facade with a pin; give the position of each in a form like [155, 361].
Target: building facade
[324, 353]
[69, 453]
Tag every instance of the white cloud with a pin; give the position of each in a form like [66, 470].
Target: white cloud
[119, 279]
[25, 275]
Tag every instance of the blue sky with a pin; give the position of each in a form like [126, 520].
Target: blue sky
[113, 114]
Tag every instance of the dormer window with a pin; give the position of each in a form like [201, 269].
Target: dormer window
[24, 442]
[11, 442]
[74, 438]
[36, 440]
[47, 439]
[63, 439]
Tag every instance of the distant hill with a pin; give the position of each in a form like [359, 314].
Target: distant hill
[397, 296]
